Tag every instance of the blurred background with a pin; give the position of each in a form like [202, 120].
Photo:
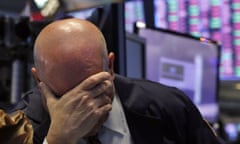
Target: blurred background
[191, 44]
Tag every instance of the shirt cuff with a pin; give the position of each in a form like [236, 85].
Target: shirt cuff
[45, 141]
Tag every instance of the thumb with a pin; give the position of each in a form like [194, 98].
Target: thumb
[48, 97]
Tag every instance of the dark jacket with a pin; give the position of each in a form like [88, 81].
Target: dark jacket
[156, 114]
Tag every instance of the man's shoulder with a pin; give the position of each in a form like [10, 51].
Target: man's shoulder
[150, 94]
[149, 88]
[31, 104]
[31, 96]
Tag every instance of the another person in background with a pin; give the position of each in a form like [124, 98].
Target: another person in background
[79, 96]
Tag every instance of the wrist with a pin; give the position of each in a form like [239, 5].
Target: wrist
[53, 138]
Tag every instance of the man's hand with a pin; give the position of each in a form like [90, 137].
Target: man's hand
[81, 110]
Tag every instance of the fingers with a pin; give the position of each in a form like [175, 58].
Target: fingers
[103, 110]
[94, 80]
[96, 103]
[96, 114]
[102, 88]
[94, 90]
[103, 100]
[93, 86]
[99, 95]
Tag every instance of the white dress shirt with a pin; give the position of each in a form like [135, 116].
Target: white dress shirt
[115, 130]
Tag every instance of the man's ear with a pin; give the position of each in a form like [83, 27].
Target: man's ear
[35, 75]
[111, 58]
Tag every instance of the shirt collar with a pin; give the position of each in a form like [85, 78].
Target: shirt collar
[116, 119]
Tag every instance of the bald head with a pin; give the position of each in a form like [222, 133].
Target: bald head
[68, 51]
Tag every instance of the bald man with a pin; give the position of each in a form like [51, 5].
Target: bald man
[79, 96]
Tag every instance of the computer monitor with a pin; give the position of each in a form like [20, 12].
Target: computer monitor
[135, 56]
[186, 62]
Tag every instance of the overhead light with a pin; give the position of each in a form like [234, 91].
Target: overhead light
[140, 24]
[50, 8]
[40, 3]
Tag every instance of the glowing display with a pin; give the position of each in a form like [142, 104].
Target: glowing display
[214, 19]
[133, 12]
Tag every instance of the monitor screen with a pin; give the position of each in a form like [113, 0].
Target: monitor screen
[186, 62]
[215, 19]
[134, 11]
[135, 58]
